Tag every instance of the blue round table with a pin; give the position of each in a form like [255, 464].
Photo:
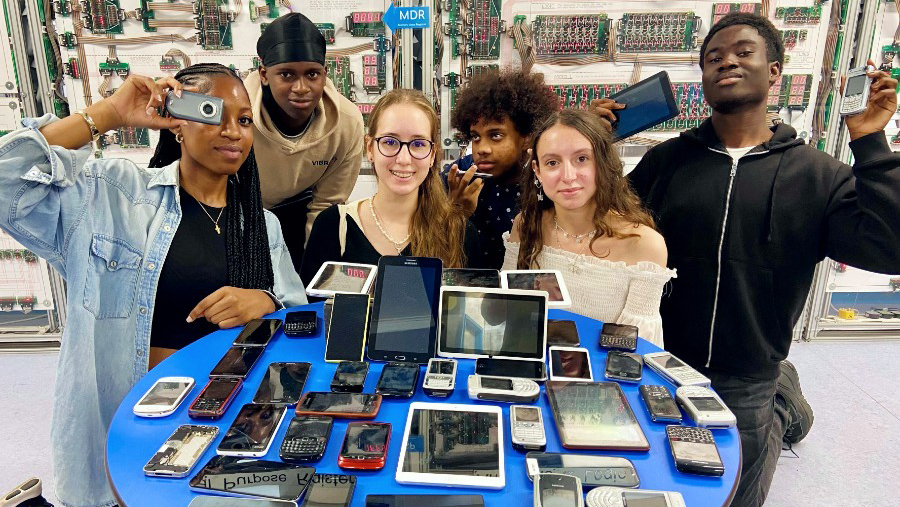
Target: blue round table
[133, 440]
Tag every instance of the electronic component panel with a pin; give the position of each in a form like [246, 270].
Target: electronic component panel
[327, 31]
[365, 24]
[131, 137]
[579, 96]
[213, 24]
[664, 32]
[692, 108]
[365, 110]
[791, 38]
[720, 10]
[799, 15]
[102, 16]
[582, 34]
[484, 35]
[791, 91]
[473, 71]
[339, 74]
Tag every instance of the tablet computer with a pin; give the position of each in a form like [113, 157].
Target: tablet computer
[545, 280]
[475, 322]
[404, 318]
[453, 445]
[649, 103]
[464, 277]
[341, 278]
[594, 415]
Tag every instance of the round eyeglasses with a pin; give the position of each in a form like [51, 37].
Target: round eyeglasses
[390, 146]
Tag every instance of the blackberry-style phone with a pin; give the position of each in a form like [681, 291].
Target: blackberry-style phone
[215, 398]
[694, 450]
[301, 323]
[660, 404]
[306, 438]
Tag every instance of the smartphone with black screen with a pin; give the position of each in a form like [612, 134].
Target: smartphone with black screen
[252, 431]
[521, 368]
[258, 333]
[398, 380]
[349, 377]
[347, 328]
[283, 383]
[562, 332]
[365, 446]
[237, 362]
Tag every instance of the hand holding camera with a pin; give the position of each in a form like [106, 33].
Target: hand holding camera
[135, 104]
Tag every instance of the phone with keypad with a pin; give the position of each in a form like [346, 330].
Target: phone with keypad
[660, 404]
[301, 323]
[306, 438]
[527, 428]
[694, 450]
[619, 337]
[674, 370]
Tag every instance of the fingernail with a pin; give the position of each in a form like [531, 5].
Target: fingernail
[178, 93]
[149, 111]
[189, 319]
[159, 98]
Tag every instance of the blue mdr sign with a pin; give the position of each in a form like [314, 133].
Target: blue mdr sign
[399, 18]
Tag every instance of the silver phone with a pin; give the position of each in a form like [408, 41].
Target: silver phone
[181, 451]
[674, 370]
[856, 91]
[195, 107]
[608, 496]
[557, 490]
[440, 377]
[527, 428]
[705, 407]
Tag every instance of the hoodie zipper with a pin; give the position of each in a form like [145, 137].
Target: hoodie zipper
[734, 164]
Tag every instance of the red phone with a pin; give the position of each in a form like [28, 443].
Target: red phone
[365, 446]
[215, 398]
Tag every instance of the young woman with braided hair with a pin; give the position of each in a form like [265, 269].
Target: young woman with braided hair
[153, 259]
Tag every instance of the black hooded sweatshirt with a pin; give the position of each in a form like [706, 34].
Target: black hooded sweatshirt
[745, 237]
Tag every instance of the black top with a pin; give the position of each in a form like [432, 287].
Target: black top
[790, 206]
[498, 205]
[324, 245]
[194, 268]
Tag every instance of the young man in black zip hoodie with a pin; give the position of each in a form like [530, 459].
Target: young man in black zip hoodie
[747, 211]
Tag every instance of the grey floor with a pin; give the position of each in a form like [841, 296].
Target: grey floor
[850, 458]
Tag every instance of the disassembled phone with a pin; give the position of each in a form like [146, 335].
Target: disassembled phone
[694, 450]
[705, 407]
[624, 366]
[398, 380]
[340, 405]
[283, 383]
[440, 377]
[182, 450]
[557, 490]
[195, 107]
[306, 438]
[365, 446]
[258, 333]
[163, 397]
[606, 496]
[674, 370]
[215, 398]
[568, 363]
[527, 428]
[349, 377]
[591, 470]
[856, 91]
[660, 403]
[507, 389]
[253, 430]
[619, 337]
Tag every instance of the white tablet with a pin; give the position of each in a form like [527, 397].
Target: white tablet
[453, 445]
[475, 322]
[342, 278]
[546, 280]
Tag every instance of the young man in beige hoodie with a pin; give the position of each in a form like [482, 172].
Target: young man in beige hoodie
[308, 138]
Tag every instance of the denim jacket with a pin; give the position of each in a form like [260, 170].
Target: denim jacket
[106, 226]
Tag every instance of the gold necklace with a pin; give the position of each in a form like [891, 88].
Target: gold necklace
[216, 221]
[397, 244]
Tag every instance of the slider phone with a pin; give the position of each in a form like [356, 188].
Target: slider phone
[163, 397]
[507, 389]
[215, 398]
[440, 377]
[606, 496]
[648, 103]
[592, 470]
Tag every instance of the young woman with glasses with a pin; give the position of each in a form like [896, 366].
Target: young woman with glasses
[410, 214]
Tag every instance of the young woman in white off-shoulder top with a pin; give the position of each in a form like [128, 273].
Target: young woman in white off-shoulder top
[579, 215]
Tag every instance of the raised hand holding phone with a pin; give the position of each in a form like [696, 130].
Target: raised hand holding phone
[464, 188]
[881, 107]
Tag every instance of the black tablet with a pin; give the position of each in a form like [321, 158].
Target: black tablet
[650, 102]
[404, 317]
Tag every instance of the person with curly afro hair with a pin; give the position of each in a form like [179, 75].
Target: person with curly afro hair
[497, 112]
